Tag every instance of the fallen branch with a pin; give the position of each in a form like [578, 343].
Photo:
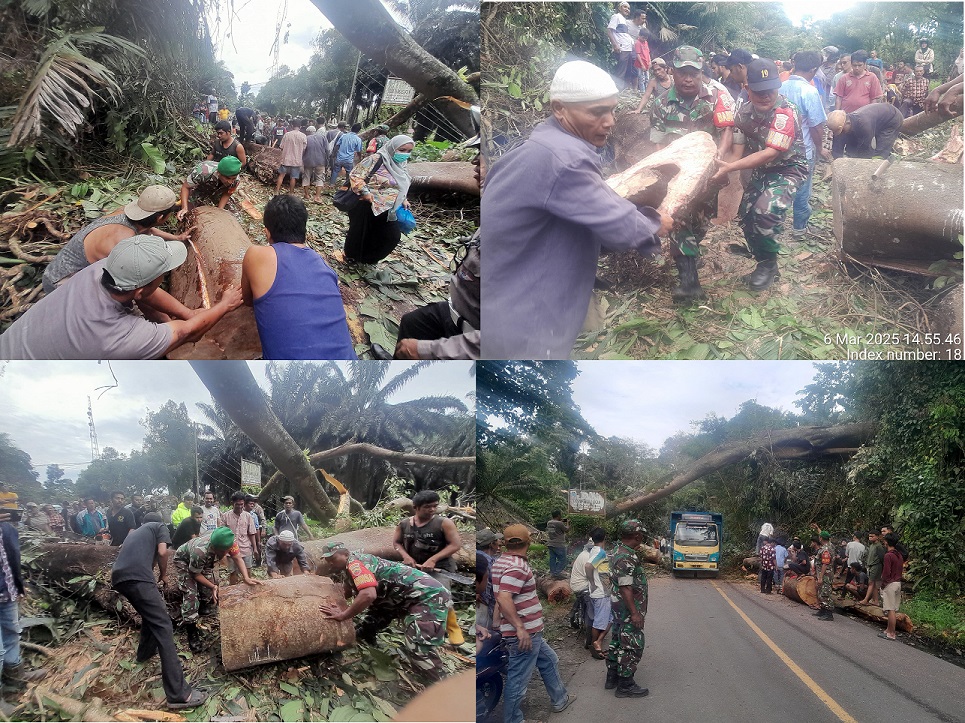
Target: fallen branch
[18, 251]
[36, 648]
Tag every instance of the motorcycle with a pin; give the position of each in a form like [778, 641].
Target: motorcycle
[491, 663]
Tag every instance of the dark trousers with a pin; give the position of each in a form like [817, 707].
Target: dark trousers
[767, 580]
[428, 323]
[370, 238]
[157, 635]
[799, 567]
[247, 129]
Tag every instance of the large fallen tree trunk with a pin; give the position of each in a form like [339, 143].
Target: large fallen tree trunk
[793, 443]
[671, 179]
[751, 564]
[279, 620]
[233, 386]
[907, 218]
[802, 589]
[378, 541]
[873, 612]
[217, 249]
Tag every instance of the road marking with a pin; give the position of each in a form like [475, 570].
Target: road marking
[795, 668]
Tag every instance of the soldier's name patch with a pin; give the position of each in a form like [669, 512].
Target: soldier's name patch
[781, 141]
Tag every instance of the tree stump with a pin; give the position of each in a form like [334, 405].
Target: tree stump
[214, 265]
[279, 620]
[556, 591]
[673, 179]
[906, 219]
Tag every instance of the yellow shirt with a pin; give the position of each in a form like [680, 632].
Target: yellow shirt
[223, 114]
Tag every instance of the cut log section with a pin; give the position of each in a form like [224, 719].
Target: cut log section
[751, 564]
[217, 249]
[802, 589]
[873, 612]
[556, 591]
[672, 179]
[279, 620]
[378, 541]
[907, 219]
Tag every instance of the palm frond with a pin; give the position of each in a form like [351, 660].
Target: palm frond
[66, 82]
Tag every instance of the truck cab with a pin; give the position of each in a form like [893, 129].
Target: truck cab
[695, 542]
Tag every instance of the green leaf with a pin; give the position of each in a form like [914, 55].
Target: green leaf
[384, 706]
[292, 711]
[126, 664]
[232, 692]
[342, 712]
[514, 90]
[378, 334]
[290, 689]
[152, 156]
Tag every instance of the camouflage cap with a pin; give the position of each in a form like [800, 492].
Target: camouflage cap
[331, 548]
[631, 527]
[687, 56]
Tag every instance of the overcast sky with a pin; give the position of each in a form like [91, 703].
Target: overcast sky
[651, 401]
[45, 403]
[244, 39]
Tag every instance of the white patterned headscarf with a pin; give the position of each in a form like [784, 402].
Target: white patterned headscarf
[398, 170]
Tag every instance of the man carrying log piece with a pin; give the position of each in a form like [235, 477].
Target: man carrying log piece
[547, 214]
[427, 542]
[133, 577]
[768, 127]
[692, 105]
[194, 562]
[386, 591]
[629, 611]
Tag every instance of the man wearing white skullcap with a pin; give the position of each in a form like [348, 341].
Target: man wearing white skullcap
[547, 214]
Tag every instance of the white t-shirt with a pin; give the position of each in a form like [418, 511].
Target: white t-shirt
[600, 564]
[855, 550]
[578, 581]
[81, 320]
[621, 29]
[209, 520]
[212, 104]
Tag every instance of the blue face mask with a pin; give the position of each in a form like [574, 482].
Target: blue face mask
[400, 157]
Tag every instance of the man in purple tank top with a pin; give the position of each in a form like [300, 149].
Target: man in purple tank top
[297, 304]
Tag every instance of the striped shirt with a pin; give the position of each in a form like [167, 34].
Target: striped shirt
[512, 574]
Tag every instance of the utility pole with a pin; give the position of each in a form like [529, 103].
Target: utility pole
[350, 109]
[95, 451]
[197, 476]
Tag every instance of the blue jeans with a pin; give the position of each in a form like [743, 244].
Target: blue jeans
[520, 670]
[338, 166]
[557, 560]
[779, 576]
[802, 200]
[10, 634]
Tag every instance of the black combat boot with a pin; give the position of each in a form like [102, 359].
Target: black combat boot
[611, 679]
[688, 290]
[195, 643]
[16, 677]
[628, 688]
[764, 275]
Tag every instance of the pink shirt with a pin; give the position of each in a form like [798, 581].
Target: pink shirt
[292, 148]
[242, 525]
[857, 92]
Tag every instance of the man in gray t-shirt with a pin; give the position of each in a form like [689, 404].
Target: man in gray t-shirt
[556, 530]
[93, 316]
[290, 519]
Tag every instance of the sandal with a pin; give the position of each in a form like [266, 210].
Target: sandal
[196, 698]
[598, 654]
[885, 636]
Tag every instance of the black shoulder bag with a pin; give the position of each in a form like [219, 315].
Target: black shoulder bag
[347, 199]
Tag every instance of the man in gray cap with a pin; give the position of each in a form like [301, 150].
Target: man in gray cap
[93, 317]
[547, 214]
[769, 128]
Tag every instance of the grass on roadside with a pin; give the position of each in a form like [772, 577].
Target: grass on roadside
[937, 618]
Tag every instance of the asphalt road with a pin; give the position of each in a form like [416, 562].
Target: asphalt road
[705, 662]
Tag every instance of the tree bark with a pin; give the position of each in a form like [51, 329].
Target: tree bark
[907, 218]
[231, 383]
[873, 612]
[215, 253]
[751, 564]
[254, 633]
[802, 589]
[369, 27]
[794, 443]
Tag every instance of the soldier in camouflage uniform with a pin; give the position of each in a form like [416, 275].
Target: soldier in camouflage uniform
[629, 600]
[386, 591]
[769, 129]
[692, 105]
[824, 570]
[194, 562]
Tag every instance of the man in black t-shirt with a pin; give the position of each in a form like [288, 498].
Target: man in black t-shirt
[133, 577]
[120, 519]
[190, 527]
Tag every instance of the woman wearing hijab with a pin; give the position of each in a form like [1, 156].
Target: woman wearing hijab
[373, 231]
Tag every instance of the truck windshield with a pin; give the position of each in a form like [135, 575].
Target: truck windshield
[699, 535]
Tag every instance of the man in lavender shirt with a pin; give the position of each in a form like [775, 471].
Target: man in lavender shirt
[547, 214]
